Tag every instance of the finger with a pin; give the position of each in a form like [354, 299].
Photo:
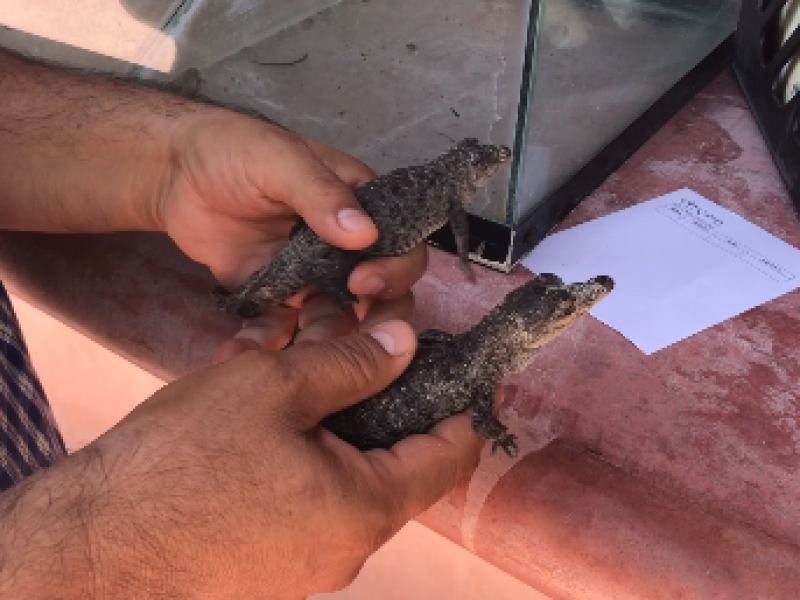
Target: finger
[327, 376]
[271, 331]
[421, 469]
[322, 319]
[389, 277]
[349, 169]
[231, 349]
[327, 204]
[300, 298]
[363, 307]
[397, 309]
[233, 264]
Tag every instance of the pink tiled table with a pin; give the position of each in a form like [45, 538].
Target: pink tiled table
[669, 476]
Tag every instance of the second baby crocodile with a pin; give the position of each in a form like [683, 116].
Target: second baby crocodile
[451, 373]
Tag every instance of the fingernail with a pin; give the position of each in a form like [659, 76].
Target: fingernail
[392, 337]
[254, 333]
[372, 286]
[351, 219]
[386, 340]
[233, 348]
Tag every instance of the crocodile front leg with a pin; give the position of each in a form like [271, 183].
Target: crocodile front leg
[487, 425]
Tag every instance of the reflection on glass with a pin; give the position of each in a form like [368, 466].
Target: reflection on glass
[601, 64]
[395, 82]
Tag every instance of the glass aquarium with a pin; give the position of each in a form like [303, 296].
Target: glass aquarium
[396, 82]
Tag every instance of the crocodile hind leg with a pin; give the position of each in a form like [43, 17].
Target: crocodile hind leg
[487, 425]
[233, 304]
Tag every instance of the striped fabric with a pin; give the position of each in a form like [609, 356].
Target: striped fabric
[29, 438]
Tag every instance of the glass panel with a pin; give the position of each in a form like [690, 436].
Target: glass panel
[393, 82]
[601, 64]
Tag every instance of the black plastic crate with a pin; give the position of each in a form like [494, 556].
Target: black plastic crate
[766, 65]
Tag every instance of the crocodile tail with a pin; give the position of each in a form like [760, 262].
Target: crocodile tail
[232, 304]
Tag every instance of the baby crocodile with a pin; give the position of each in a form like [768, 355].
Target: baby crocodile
[407, 205]
[451, 373]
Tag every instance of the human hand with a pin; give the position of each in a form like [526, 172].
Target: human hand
[239, 185]
[319, 318]
[227, 187]
[223, 484]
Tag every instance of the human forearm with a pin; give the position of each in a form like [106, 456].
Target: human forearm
[82, 153]
[223, 485]
[73, 532]
[87, 154]
[44, 546]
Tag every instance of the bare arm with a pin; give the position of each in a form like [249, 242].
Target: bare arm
[75, 532]
[223, 486]
[45, 520]
[82, 153]
[91, 154]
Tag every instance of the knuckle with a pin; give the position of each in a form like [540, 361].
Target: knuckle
[354, 540]
[387, 519]
[451, 475]
[279, 376]
[393, 510]
[337, 579]
[341, 562]
[387, 509]
[365, 516]
[376, 523]
[328, 187]
[401, 306]
[297, 146]
[273, 368]
[291, 141]
[357, 360]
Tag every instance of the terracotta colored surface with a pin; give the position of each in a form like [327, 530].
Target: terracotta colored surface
[669, 476]
[575, 527]
[133, 292]
[418, 564]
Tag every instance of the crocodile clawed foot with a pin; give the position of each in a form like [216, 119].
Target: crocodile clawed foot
[508, 443]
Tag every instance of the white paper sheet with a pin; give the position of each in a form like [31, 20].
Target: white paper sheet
[680, 262]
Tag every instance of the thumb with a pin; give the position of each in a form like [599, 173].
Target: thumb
[321, 198]
[333, 374]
